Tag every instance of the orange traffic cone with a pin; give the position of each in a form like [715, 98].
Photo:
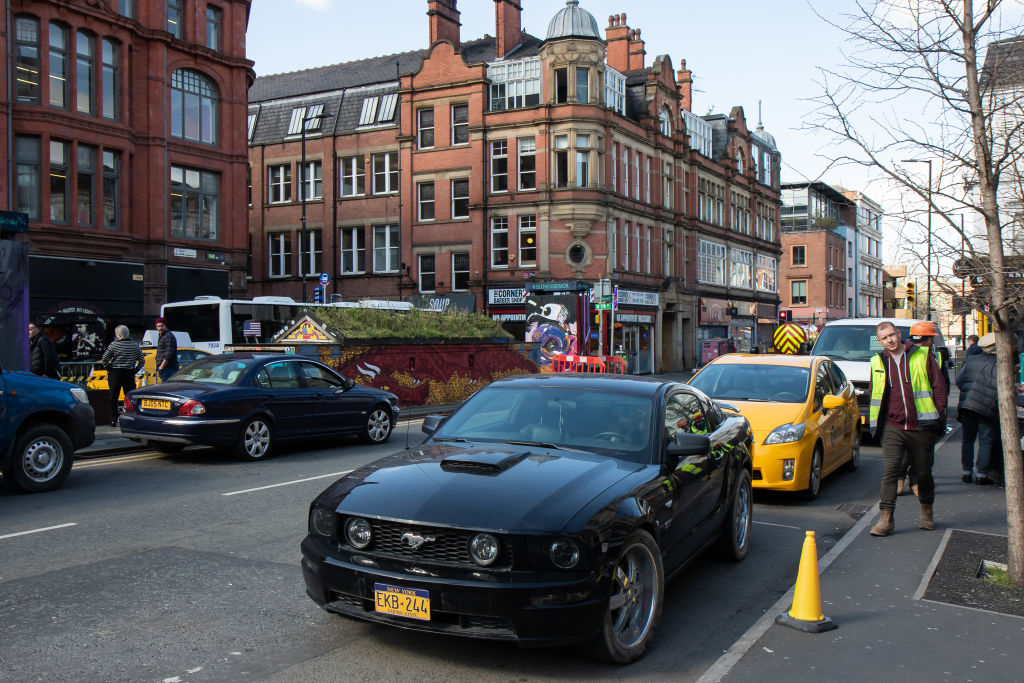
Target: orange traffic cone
[805, 614]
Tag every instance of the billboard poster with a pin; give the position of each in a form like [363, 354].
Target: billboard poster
[551, 320]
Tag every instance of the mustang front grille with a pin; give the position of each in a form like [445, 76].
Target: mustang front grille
[441, 545]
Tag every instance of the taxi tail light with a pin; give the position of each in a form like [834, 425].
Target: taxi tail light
[128, 406]
[192, 407]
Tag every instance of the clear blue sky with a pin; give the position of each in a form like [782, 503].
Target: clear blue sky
[740, 52]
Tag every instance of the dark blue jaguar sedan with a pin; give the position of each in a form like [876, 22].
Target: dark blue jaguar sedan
[249, 402]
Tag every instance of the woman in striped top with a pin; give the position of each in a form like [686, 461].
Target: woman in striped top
[123, 359]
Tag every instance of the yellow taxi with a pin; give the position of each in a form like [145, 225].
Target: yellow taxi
[802, 411]
[98, 377]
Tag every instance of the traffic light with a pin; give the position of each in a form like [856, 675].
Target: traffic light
[785, 316]
[318, 294]
[911, 293]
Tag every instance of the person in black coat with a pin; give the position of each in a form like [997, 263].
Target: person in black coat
[42, 354]
[978, 411]
[972, 346]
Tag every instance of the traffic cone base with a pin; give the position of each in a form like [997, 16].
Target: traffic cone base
[805, 614]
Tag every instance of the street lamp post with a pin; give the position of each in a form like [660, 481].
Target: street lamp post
[306, 118]
[928, 264]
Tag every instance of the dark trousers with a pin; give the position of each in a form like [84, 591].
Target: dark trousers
[119, 379]
[920, 447]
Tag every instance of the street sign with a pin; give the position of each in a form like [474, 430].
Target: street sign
[603, 307]
[318, 294]
[325, 278]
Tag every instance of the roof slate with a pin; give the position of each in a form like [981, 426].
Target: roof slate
[1004, 61]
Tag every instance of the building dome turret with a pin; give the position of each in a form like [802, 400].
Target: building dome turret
[573, 22]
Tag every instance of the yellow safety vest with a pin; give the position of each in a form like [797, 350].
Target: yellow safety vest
[924, 401]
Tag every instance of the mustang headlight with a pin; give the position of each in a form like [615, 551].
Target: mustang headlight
[358, 532]
[484, 548]
[564, 553]
[787, 433]
[322, 522]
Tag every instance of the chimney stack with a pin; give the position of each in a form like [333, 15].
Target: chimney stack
[684, 81]
[444, 21]
[636, 51]
[617, 37]
[508, 21]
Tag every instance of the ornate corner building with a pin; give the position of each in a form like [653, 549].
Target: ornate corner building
[469, 172]
[124, 142]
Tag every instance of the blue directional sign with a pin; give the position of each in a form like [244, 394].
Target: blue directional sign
[325, 278]
[318, 294]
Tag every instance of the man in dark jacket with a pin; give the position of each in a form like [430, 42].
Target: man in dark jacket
[166, 351]
[972, 346]
[42, 355]
[978, 411]
[906, 414]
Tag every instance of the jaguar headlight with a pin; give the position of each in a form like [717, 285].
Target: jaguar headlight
[484, 549]
[565, 554]
[358, 532]
[787, 433]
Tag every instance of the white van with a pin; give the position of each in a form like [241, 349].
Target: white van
[851, 342]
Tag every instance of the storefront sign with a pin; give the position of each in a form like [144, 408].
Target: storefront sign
[185, 253]
[629, 297]
[509, 317]
[713, 311]
[506, 297]
[444, 302]
[641, 318]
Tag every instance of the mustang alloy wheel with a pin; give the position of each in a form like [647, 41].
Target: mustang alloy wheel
[256, 440]
[638, 587]
[40, 460]
[378, 426]
[735, 538]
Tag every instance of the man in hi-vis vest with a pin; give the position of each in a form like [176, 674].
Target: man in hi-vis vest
[908, 402]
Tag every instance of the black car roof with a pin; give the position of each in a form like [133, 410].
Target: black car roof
[631, 384]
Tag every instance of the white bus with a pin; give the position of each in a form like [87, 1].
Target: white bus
[213, 323]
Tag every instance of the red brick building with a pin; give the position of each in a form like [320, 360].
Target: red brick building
[123, 124]
[471, 171]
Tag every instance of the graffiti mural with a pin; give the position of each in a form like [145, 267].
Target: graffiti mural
[551, 322]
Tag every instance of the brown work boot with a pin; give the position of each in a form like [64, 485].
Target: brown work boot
[885, 524]
[914, 489]
[926, 522]
[901, 486]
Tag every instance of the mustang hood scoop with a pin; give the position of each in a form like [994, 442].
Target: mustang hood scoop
[482, 462]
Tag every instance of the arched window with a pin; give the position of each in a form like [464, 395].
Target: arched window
[665, 119]
[739, 161]
[193, 106]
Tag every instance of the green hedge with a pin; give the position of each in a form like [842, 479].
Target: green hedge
[370, 323]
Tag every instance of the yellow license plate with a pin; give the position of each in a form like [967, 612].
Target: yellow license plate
[411, 603]
[156, 404]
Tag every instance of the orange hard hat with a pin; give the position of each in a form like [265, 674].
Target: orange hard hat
[925, 328]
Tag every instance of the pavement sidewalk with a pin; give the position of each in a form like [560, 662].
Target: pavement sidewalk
[871, 588]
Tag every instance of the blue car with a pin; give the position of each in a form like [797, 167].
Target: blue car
[42, 423]
[249, 402]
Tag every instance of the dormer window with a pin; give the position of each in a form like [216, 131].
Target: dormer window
[665, 121]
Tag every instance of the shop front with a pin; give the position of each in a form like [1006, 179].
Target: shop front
[635, 330]
[743, 325]
[507, 305]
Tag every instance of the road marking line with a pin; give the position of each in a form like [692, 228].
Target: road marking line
[116, 461]
[36, 531]
[927, 576]
[785, 526]
[721, 668]
[286, 483]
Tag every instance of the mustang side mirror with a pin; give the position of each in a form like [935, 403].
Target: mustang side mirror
[432, 422]
[688, 444]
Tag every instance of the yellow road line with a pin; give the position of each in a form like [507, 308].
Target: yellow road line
[101, 462]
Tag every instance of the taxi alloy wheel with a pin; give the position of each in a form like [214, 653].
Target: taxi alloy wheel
[378, 426]
[854, 461]
[814, 476]
[634, 607]
[256, 440]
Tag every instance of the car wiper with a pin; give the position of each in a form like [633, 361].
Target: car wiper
[458, 439]
[751, 400]
[538, 444]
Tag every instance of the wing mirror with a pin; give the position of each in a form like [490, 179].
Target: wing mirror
[348, 383]
[431, 423]
[830, 402]
[688, 444]
[727, 406]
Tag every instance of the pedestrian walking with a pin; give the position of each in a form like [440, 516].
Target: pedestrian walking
[972, 346]
[978, 412]
[166, 351]
[123, 359]
[42, 355]
[908, 399]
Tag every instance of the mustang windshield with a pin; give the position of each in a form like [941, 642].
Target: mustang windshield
[738, 382]
[581, 419]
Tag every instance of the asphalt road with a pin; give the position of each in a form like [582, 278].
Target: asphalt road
[173, 568]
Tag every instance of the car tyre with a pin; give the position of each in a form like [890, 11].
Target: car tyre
[854, 462]
[734, 541]
[256, 440]
[40, 460]
[634, 606]
[378, 425]
[814, 476]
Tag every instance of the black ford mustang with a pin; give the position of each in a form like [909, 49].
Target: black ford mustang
[548, 509]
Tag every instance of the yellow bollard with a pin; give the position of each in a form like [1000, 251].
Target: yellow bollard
[805, 614]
